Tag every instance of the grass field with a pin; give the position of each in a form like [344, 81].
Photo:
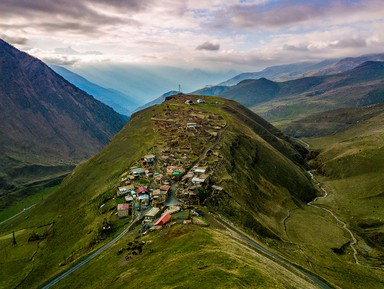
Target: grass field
[265, 192]
[185, 256]
[350, 168]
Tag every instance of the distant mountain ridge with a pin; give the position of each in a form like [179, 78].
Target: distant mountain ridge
[47, 124]
[305, 69]
[366, 81]
[158, 100]
[120, 102]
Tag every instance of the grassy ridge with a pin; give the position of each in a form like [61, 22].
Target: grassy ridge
[252, 150]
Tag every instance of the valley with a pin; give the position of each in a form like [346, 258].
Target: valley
[188, 147]
[191, 144]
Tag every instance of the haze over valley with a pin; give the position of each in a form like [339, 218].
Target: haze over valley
[168, 144]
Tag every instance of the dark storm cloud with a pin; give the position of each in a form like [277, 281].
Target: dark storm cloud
[254, 17]
[68, 15]
[208, 46]
[286, 14]
[14, 40]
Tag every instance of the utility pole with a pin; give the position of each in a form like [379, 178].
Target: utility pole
[14, 243]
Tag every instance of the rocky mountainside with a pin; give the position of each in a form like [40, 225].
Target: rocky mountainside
[47, 124]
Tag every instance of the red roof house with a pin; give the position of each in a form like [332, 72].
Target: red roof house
[122, 210]
[142, 190]
[163, 220]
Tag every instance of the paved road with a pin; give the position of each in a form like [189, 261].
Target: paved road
[172, 200]
[90, 257]
[241, 236]
[14, 216]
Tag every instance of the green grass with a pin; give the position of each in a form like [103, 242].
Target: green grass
[184, 256]
[350, 167]
[262, 182]
[313, 233]
[17, 207]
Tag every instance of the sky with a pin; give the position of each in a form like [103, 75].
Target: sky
[217, 36]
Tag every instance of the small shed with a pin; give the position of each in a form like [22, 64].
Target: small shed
[159, 196]
[165, 189]
[199, 179]
[138, 172]
[124, 190]
[175, 170]
[143, 199]
[188, 101]
[199, 170]
[163, 220]
[151, 215]
[122, 210]
[148, 174]
[200, 101]
[150, 158]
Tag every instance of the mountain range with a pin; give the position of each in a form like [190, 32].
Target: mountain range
[305, 69]
[119, 101]
[282, 102]
[248, 205]
[47, 124]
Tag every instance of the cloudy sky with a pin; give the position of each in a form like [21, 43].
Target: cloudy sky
[215, 35]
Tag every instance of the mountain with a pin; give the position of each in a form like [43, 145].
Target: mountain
[47, 124]
[255, 198]
[305, 69]
[348, 64]
[294, 99]
[119, 101]
[281, 72]
[158, 100]
[250, 92]
[211, 90]
[260, 172]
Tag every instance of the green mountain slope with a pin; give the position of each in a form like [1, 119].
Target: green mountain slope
[351, 163]
[258, 169]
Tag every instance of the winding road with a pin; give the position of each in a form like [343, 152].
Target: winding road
[14, 216]
[237, 234]
[343, 224]
[65, 274]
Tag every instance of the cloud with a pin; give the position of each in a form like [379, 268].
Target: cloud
[290, 14]
[77, 17]
[70, 51]
[348, 43]
[208, 46]
[14, 39]
[290, 47]
[60, 60]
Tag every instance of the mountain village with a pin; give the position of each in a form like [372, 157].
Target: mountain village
[168, 184]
